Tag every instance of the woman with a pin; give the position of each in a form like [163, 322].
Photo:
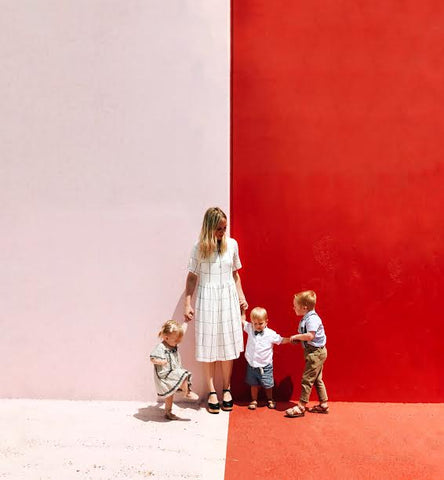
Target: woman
[213, 267]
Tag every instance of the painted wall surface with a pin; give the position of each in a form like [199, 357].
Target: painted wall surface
[114, 141]
[338, 147]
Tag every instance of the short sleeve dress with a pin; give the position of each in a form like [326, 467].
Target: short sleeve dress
[218, 325]
[168, 378]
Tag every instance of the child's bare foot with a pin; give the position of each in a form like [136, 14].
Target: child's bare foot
[191, 396]
[169, 415]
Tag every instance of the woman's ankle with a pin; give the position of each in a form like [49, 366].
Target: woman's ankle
[227, 393]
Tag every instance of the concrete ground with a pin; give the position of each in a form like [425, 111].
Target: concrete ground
[64, 440]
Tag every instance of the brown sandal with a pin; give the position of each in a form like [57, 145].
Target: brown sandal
[295, 412]
[318, 409]
[271, 404]
[253, 405]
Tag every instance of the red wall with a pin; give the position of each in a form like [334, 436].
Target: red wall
[337, 186]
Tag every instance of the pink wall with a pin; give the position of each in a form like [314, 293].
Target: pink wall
[338, 154]
[115, 138]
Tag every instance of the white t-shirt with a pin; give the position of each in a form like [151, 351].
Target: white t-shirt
[259, 351]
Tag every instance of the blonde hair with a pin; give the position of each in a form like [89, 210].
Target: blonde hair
[169, 327]
[307, 298]
[207, 239]
[259, 313]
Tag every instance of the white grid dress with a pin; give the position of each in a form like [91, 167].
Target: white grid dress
[218, 324]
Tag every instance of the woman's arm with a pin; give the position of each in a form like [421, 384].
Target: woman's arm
[242, 301]
[190, 286]
[243, 317]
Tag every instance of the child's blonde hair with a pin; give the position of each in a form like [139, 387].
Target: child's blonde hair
[169, 327]
[207, 239]
[259, 313]
[307, 298]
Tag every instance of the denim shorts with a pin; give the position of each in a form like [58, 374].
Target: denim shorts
[260, 376]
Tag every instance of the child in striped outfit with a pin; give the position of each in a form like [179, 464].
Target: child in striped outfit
[169, 375]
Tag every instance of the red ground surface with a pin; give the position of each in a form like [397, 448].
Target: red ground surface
[355, 441]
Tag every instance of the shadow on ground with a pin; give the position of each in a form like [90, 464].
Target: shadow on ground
[156, 413]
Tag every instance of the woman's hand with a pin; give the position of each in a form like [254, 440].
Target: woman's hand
[188, 313]
[243, 303]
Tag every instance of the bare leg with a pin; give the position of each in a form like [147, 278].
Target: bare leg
[270, 402]
[186, 390]
[227, 368]
[168, 408]
[209, 371]
[184, 387]
[254, 392]
[169, 403]
[254, 389]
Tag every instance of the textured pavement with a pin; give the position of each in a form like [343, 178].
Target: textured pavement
[64, 440]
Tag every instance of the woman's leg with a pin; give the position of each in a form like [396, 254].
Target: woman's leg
[227, 368]
[209, 371]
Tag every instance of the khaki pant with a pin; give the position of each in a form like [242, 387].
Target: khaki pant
[314, 364]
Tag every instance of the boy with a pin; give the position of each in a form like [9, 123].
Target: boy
[313, 338]
[259, 355]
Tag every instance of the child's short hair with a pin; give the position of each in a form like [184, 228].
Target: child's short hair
[169, 327]
[307, 298]
[259, 312]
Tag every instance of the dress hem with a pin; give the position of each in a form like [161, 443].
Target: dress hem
[173, 390]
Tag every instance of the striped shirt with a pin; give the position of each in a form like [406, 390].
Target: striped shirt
[311, 322]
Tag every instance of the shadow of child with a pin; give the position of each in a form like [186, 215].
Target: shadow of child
[156, 413]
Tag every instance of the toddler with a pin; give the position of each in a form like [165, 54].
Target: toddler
[259, 355]
[312, 336]
[169, 375]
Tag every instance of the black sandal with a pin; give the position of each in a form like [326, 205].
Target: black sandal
[227, 406]
[213, 407]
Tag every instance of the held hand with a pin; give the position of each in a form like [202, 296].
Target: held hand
[243, 303]
[188, 313]
[293, 340]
